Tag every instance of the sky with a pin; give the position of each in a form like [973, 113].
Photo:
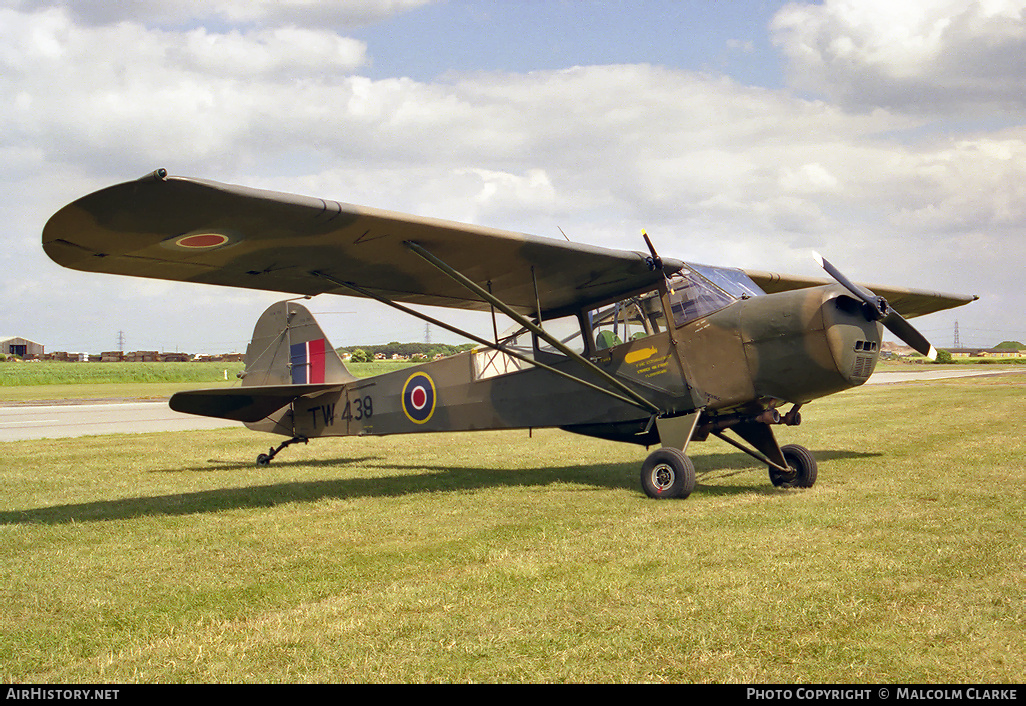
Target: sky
[890, 137]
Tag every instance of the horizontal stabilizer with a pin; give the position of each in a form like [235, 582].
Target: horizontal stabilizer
[243, 404]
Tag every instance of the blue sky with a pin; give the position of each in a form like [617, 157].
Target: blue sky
[891, 137]
[715, 35]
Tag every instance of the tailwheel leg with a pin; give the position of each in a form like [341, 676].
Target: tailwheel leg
[265, 459]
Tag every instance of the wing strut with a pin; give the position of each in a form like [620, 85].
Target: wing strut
[531, 326]
[477, 339]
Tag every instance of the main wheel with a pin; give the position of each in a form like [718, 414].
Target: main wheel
[668, 473]
[803, 468]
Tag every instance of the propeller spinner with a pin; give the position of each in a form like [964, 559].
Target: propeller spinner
[877, 309]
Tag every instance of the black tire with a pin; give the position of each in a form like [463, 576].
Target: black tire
[803, 468]
[263, 460]
[668, 473]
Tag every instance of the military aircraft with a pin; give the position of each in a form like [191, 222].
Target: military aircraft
[615, 344]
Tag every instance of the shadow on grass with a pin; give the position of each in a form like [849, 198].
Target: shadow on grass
[710, 469]
[426, 479]
[217, 466]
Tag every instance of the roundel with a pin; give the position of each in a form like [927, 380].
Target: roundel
[202, 240]
[419, 398]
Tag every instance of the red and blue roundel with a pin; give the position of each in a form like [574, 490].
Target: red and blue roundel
[200, 241]
[419, 398]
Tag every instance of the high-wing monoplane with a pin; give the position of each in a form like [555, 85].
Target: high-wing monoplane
[616, 344]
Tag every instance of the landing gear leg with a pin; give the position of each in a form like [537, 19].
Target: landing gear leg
[668, 472]
[265, 459]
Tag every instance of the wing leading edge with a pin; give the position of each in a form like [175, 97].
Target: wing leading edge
[192, 230]
[908, 302]
[200, 231]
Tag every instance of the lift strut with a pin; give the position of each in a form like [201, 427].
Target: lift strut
[477, 339]
[530, 326]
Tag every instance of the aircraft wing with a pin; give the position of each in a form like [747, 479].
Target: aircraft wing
[190, 230]
[908, 302]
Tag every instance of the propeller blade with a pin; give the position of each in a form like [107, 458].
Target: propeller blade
[900, 327]
[878, 310]
[863, 294]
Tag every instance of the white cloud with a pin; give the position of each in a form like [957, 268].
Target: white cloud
[918, 55]
[808, 178]
[714, 170]
[283, 51]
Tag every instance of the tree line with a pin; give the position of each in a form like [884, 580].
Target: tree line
[363, 353]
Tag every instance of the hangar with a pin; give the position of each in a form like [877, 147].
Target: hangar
[21, 347]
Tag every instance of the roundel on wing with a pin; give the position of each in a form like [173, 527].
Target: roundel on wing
[199, 241]
[419, 398]
[202, 240]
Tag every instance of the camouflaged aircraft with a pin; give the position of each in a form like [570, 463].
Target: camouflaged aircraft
[615, 344]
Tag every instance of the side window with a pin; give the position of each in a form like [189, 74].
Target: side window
[566, 330]
[625, 320]
[490, 363]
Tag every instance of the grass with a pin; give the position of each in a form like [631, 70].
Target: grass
[59, 373]
[52, 380]
[495, 557]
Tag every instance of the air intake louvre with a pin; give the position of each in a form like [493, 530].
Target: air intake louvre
[863, 367]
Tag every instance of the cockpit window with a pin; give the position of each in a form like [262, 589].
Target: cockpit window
[566, 330]
[626, 320]
[692, 296]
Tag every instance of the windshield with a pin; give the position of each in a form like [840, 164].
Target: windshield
[730, 280]
[692, 296]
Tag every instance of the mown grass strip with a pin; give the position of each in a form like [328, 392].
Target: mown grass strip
[497, 557]
[49, 380]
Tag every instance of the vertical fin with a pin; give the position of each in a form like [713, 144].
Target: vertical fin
[289, 348]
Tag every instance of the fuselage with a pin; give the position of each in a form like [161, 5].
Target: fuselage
[690, 345]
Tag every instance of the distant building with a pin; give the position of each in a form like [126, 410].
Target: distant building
[65, 357]
[219, 358]
[986, 353]
[21, 347]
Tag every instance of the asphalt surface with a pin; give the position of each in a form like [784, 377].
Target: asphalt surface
[55, 421]
[19, 422]
[887, 377]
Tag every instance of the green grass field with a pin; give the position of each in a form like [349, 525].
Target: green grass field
[51, 380]
[495, 557]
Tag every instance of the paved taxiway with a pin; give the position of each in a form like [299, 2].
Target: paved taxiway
[54, 421]
[19, 422]
[902, 376]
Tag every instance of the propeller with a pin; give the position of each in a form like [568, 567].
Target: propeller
[877, 309]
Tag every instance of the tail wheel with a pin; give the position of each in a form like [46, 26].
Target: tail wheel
[668, 473]
[802, 465]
